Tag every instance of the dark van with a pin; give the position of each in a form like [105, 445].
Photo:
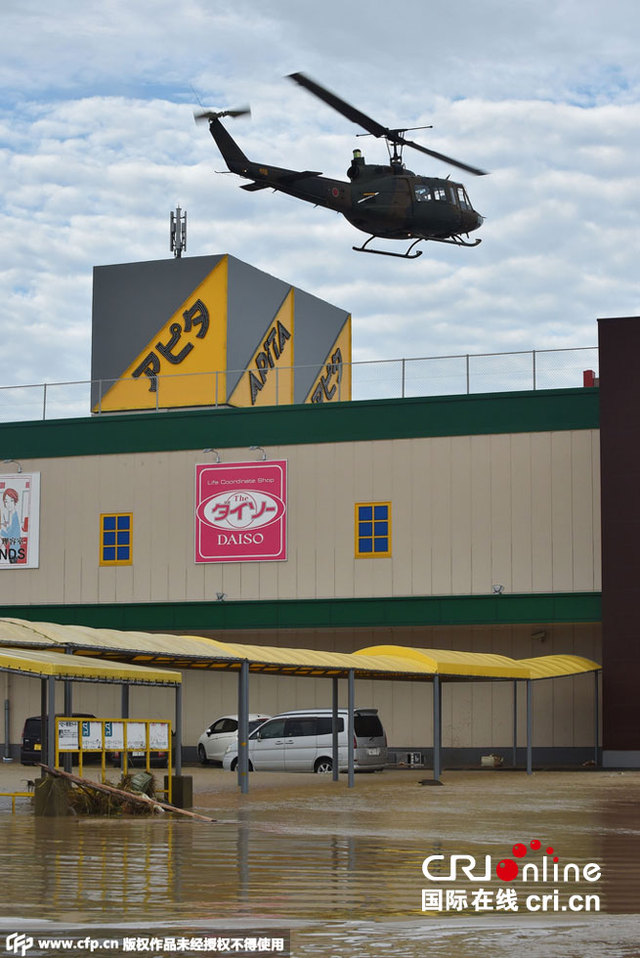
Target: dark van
[31, 745]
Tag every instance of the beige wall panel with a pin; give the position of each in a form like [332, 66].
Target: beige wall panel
[439, 481]
[543, 713]
[176, 513]
[457, 714]
[584, 709]
[401, 482]
[482, 714]
[460, 528]
[501, 536]
[344, 482]
[480, 531]
[250, 575]
[406, 712]
[502, 712]
[467, 512]
[267, 579]
[420, 533]
[522, 518]
[563, 730]
[562, 512]
[321, 498]
[46, 584]
[582, 511]
[301, 523]
[541, 513]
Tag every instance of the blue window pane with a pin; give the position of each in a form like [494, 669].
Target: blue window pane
[381, 545]
[123, 553]
[365, 528]
[124, 522]
[109, 539]
[108, 522]
[108, 554]
[365, 512]
[365, 545]
[381, 512]
[381, 528]
[124, 538]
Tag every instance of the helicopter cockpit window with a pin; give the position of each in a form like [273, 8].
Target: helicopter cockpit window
[422, 194]
[463, 198]
[439, 194]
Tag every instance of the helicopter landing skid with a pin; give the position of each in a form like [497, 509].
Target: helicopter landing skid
[383, 252]
[456, 240]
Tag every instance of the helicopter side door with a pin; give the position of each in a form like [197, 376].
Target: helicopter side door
[436, 207]
[382, 205]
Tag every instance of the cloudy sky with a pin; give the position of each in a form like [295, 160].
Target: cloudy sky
[99, 144]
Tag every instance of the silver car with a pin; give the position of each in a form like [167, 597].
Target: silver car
[301, 741]
[216, 739]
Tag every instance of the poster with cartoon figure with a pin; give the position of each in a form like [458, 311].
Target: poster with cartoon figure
[19, 520]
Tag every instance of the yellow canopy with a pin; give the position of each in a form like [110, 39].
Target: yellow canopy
[377, 661]
[449, 662]
[47, 663]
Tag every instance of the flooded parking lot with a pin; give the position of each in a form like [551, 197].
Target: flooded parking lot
[341, 869]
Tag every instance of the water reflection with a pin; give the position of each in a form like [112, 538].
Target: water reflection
[341, 868]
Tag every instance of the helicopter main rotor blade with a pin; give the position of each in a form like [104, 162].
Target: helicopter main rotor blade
[376, 129]
[440, 156]
[372, 126]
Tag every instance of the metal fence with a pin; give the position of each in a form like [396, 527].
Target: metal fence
[379, 379]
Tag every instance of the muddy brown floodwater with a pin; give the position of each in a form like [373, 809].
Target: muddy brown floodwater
[341, 869]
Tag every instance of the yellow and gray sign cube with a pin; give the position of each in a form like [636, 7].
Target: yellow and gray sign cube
[212, 330]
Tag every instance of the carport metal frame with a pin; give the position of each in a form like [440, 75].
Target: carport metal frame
[43, 664]
[375, 662]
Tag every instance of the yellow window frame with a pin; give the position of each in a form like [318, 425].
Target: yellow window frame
[372, 553]
[115, 561]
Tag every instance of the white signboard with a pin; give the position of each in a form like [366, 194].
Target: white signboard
[114, 736]
[91, 735]
[159, 736]
[136, 735]
[68, 736]
[87, 735]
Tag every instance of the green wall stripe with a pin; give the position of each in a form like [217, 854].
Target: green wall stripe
[539, 411]
[323, 613]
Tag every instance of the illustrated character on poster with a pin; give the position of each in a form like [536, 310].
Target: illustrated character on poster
[10, 523]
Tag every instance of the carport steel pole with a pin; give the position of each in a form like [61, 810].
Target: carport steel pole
[335, 771]
[178, 730]
[350, 728]
[437, 727]
[51, 723]
[243, 727]
[529, 727]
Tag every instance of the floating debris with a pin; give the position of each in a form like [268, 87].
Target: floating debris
[61, 793]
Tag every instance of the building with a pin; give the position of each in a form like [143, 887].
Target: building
[463, 522]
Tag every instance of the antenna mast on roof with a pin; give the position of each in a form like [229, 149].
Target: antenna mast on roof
[178, 232]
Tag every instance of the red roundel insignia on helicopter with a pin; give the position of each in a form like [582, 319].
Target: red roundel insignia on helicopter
[335, 191]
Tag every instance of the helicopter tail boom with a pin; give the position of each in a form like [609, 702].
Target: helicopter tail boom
[233, 156]
[308, 185]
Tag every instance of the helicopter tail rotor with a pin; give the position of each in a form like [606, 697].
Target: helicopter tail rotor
[208, 115]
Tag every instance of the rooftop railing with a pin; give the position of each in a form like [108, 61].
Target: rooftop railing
[376, 379]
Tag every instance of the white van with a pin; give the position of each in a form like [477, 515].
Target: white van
[301, 741]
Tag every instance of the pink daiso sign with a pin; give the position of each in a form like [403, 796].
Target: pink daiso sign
[241, 511]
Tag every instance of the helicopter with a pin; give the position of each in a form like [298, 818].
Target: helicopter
[388, 201]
